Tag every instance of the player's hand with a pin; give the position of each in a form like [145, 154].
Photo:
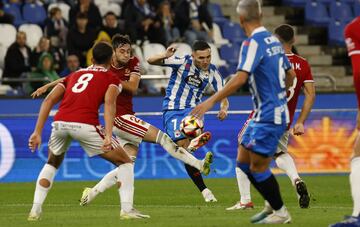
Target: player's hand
[298, 129]
[39, 92]
[222, 115]
[170, 51]
[201, 109]
[34, 141]
[107, 144]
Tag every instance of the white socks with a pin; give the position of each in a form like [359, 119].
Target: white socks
[125, 174]
[177, 152]
[244, 186]
[48, 172]
[105, 183]
[355, 185]
[287, 164]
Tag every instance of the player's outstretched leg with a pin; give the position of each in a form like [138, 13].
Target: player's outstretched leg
[244, 190]
[286, 163]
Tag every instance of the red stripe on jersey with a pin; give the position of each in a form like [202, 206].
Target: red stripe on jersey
[129, 131]
[133, 124]
[121, 124]
[128, 128]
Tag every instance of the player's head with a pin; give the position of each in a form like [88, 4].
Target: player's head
[249, 11]
[102, 53]
[285, 34]
[201, 53]
[122, 48]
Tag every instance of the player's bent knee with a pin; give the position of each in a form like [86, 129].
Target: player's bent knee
[44, 182]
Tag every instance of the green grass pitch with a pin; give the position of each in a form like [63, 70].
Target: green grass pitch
[172, 203]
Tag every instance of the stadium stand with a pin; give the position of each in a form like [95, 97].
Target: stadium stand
[33, 33]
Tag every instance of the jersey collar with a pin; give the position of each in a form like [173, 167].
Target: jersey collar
[258, 30]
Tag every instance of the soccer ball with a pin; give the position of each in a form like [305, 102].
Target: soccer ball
[191, 126]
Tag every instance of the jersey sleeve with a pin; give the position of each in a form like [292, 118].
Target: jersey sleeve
[250, 56]
[174, 62]
[287, 64]
[218, 82]
[135, 66]
[65, 81]
[308, 77]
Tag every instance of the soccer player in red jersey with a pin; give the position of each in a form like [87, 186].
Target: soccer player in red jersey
[303, 81]
[352, 39]
[81, 95]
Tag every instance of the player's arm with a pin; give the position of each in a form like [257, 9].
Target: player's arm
[309, 92]
[158, 59]
[232, 86]
[109, 114]
[43, 89]
[54, 97]
[132, 84]
[289, 78]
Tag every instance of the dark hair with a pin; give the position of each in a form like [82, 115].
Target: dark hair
[200, 45]
[102, 53]
[110, 13]
[81, 15]
[285, 33]
[120, 40]
[54, 10]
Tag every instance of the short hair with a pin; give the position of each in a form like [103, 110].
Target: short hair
[250, 9]
[200, 45]
[102, 52]
[285, 33]
[120, 40]
[54, 10]
[110, 13]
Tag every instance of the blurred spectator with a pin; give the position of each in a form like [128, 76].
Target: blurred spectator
[42, 47]
[17, 59]
[111, 25]
[44, 70]
[56, 28]
[181, 10]
[172, 33]
[72, 64]
[141, 22]
[102, 36]
[90, 10]
[5, 18]
[205, 17]
[80, 38]
[196, 30]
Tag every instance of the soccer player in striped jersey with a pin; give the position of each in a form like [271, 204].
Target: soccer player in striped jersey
[190, 77]
[303, 81]
[352, 39]
[262, 60]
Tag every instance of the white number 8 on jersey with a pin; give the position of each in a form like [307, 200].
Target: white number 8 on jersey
[82, 83]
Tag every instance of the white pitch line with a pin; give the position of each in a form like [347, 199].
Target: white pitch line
[159, 206]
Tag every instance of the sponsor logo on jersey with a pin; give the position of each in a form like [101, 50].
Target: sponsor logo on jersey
[194, 80]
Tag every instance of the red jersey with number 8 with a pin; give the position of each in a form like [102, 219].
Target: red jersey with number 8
[303, 75]
[84, 93]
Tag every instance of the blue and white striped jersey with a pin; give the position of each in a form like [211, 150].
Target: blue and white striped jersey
[188, 83]
[262, 56]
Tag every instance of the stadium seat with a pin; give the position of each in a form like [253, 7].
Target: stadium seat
[230, 53]
[356, 8]
[33, 34]
[65, 8]
[336, 32]
[216, 13]
[233, 32]
[148, 50]
[3, 50]
[101, 2]
[111, 7]
[9, 38]
[215, 56]
[34, 13]
[14, 9]
[316, 13]
[219, 40]
[182, 49]
[340, 10]
[296, 3]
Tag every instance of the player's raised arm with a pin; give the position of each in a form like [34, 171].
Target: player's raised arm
[109, 113]
[50, 100]
[309, 92]
[43, 89]
[159, 58]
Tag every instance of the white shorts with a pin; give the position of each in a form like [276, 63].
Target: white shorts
[130, 129]
[283, 143]
[90, 137]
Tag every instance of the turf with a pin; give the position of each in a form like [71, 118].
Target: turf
[171, 203]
